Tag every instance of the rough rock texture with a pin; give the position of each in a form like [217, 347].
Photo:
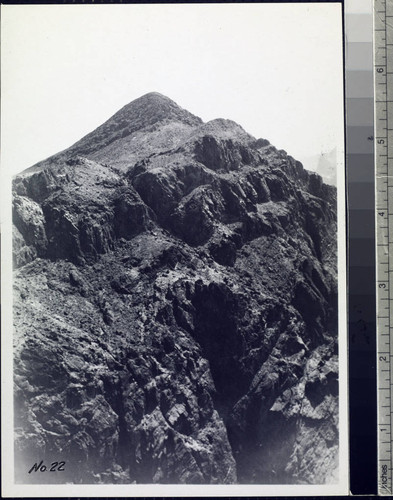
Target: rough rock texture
[175, 307]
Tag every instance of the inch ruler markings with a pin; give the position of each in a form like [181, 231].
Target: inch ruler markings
[383, 79]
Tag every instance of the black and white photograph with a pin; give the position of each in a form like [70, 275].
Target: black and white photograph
[173, 233]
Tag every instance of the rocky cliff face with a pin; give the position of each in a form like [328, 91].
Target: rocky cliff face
[175, 307]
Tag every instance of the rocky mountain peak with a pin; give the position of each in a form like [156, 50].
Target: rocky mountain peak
[175, 307]
[119, 140]
[152, 108]
[224, 129]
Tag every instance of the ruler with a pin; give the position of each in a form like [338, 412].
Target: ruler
[383, 85]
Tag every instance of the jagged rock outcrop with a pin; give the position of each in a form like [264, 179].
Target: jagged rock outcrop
[175, 307]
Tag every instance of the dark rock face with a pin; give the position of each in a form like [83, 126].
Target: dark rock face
[175, 309]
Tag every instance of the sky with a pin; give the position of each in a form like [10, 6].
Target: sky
[276, 69]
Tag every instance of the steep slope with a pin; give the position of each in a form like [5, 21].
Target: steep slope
[147, 125]
[176, 320]
[324, 164]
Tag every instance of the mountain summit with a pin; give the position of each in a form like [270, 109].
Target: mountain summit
[122, 135]
[175, 307]
[152, 108]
